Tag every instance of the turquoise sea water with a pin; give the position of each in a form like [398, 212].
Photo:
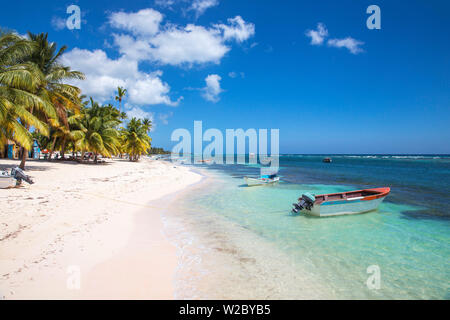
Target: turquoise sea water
[242, 242]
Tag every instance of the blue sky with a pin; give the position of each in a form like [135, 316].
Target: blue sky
[251, 64]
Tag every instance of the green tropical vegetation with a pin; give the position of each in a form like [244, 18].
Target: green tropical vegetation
[135, 138]
[153, 150]
[37, 102]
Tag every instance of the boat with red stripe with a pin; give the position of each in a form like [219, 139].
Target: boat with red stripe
[341, 203]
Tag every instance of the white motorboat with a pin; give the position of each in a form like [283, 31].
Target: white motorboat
[264, 179]
[6, 180]
[334, 204]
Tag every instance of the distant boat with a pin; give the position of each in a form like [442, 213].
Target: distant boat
[327, 160]
[264, 179]
[341, 203]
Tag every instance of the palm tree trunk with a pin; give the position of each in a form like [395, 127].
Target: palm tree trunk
[25, 151]
[24, 158]
[52, 149]
[63, 147]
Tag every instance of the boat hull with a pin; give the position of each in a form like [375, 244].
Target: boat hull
[259, 182]
[344, 207]
[7, 182]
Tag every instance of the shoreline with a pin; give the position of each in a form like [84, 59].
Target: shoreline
[110, 239]
[219, 255]
[157, 230]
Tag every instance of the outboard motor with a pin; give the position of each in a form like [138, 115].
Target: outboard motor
[306, 202]
[20, 175]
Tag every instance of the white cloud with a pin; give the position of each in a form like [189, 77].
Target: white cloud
[143, 22]
[58, 23]
[176, 45]
[200, 6]
[164, 116]
[351, 44]
[237, 29]
[138, 113]
[149, 89]
[104, 75]
[135, 49]
[165, 3]
[234, 74]
[317, 36]
[192, 44]
[142, 37]
[212, 90]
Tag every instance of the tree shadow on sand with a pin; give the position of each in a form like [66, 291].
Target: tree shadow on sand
[34, 165]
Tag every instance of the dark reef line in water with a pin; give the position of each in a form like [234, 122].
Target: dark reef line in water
[422, 181]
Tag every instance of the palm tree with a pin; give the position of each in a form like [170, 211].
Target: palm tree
[120, 94]
[135, 138]
[62, 96]
[18, 82]
[97, 130]
[147, 124]
[73, 117]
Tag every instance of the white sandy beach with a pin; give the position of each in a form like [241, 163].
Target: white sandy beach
[89, 226]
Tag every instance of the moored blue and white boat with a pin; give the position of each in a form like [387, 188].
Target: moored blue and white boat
[341, 203]
[264, 179]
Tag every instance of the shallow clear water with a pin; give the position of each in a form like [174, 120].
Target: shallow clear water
[241, 242]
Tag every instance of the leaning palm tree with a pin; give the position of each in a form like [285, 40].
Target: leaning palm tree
[62, 96]
[120, 94]
[18, 82]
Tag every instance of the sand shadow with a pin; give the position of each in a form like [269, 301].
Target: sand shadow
[33, 165]
[8, 167]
